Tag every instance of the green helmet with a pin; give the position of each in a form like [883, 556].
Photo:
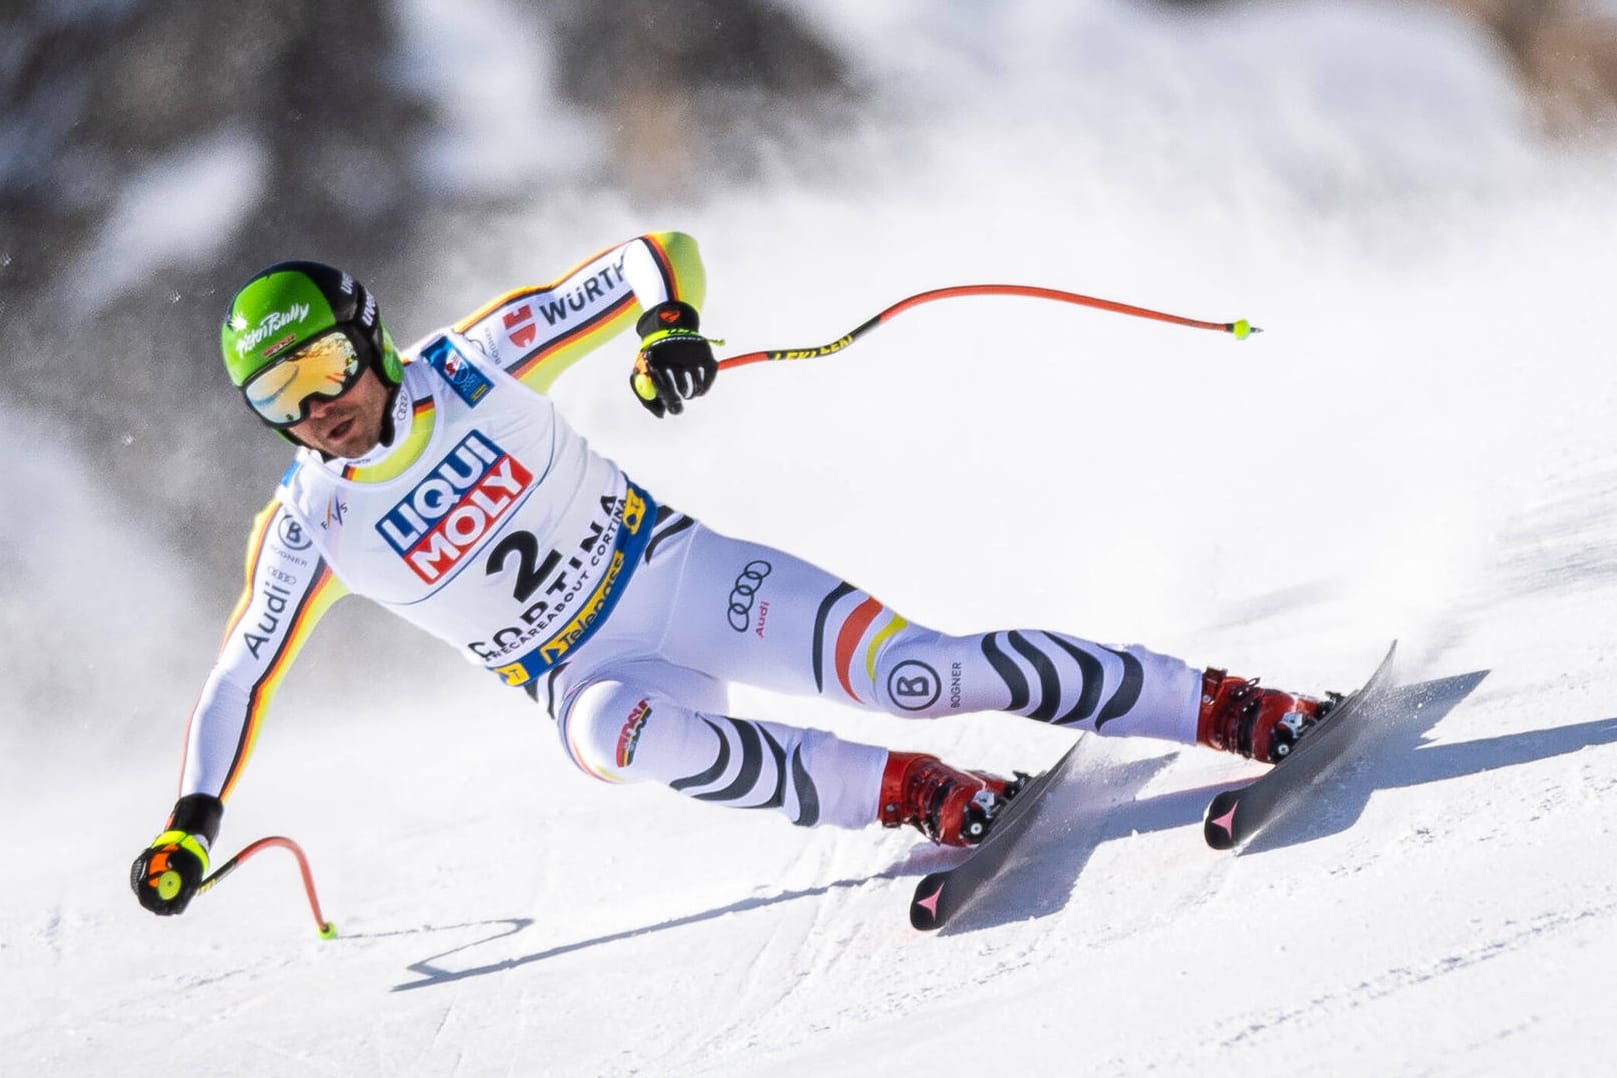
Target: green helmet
[284, 306]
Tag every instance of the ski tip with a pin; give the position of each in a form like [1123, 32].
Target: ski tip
[924, 907]
[1218, 826]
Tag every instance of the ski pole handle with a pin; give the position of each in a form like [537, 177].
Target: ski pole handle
[1241, 329]
[326, 929]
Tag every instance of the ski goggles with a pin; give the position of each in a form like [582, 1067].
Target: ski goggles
[328, 366]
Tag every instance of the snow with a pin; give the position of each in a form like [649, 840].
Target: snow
[1418, 447]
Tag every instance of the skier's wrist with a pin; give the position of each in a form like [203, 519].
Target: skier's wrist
[197, 814]
[675, 362]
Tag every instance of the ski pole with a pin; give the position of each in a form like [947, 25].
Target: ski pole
[1241, 329]
[326, 928]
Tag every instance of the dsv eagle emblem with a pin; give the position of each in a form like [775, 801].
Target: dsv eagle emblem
[745, 589]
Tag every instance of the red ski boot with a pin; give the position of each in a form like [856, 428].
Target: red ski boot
[954, 808]
[1239, 716]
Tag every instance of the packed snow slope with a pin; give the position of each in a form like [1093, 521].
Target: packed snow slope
[1418, 446]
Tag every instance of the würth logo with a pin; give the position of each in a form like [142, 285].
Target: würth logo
[455, 507]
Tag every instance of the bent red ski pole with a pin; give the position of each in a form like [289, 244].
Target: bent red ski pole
[326, 928]
[1240, 329]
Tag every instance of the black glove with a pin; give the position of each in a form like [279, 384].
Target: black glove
[166, 875]
[675, 362]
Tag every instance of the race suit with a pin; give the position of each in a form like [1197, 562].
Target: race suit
[489, 522]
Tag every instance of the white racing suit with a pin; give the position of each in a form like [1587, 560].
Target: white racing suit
[489, 522]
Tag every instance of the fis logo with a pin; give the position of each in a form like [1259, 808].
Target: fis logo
[455, 507]
[629, 736]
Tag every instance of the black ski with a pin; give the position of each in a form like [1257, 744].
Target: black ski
[940, 895]
[1234, 816]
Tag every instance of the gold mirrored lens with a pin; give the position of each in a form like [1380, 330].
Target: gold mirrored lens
[325, 367]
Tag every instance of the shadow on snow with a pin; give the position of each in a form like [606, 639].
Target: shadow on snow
[1040, 879]
[430, 973]
[1101, 803]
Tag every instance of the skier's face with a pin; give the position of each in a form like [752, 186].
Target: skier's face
[345, 426]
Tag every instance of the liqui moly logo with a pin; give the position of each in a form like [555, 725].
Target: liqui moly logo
[455, 507]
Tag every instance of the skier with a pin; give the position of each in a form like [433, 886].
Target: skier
[441, 483]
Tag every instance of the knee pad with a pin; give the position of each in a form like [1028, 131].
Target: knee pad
[600, 725]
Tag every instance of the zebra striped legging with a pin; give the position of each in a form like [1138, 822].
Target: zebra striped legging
[644, 699]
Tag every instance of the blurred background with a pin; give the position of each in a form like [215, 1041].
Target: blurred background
[831, 157]
[1416, 200]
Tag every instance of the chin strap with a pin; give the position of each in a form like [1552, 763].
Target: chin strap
[388, 427]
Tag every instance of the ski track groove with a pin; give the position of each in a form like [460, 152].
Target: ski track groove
[1397, 979]
[847, 938]
[764, 985]
[520, 1038]
[379, 1055]
[52, 935]
[307, 1063]
[443, 1020]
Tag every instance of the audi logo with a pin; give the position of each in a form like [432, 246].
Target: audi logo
[741, 595]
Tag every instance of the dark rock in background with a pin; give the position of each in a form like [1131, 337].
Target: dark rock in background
[301, 110]
[1564, 53]
[305, 112]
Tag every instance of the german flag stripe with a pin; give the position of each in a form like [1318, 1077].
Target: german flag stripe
[588, 335]
[876, 642]
[680, 266]
[848, 640]
[315, 602]
[424, 417]
[665, 265]
[820, 618]
[578, 757]
[528, 290]
[255, 549]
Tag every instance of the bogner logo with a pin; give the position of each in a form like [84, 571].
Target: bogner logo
[455, 507]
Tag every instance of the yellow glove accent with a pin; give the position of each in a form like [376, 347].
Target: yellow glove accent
[185, 841]
[644, 387]
[663, 334]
